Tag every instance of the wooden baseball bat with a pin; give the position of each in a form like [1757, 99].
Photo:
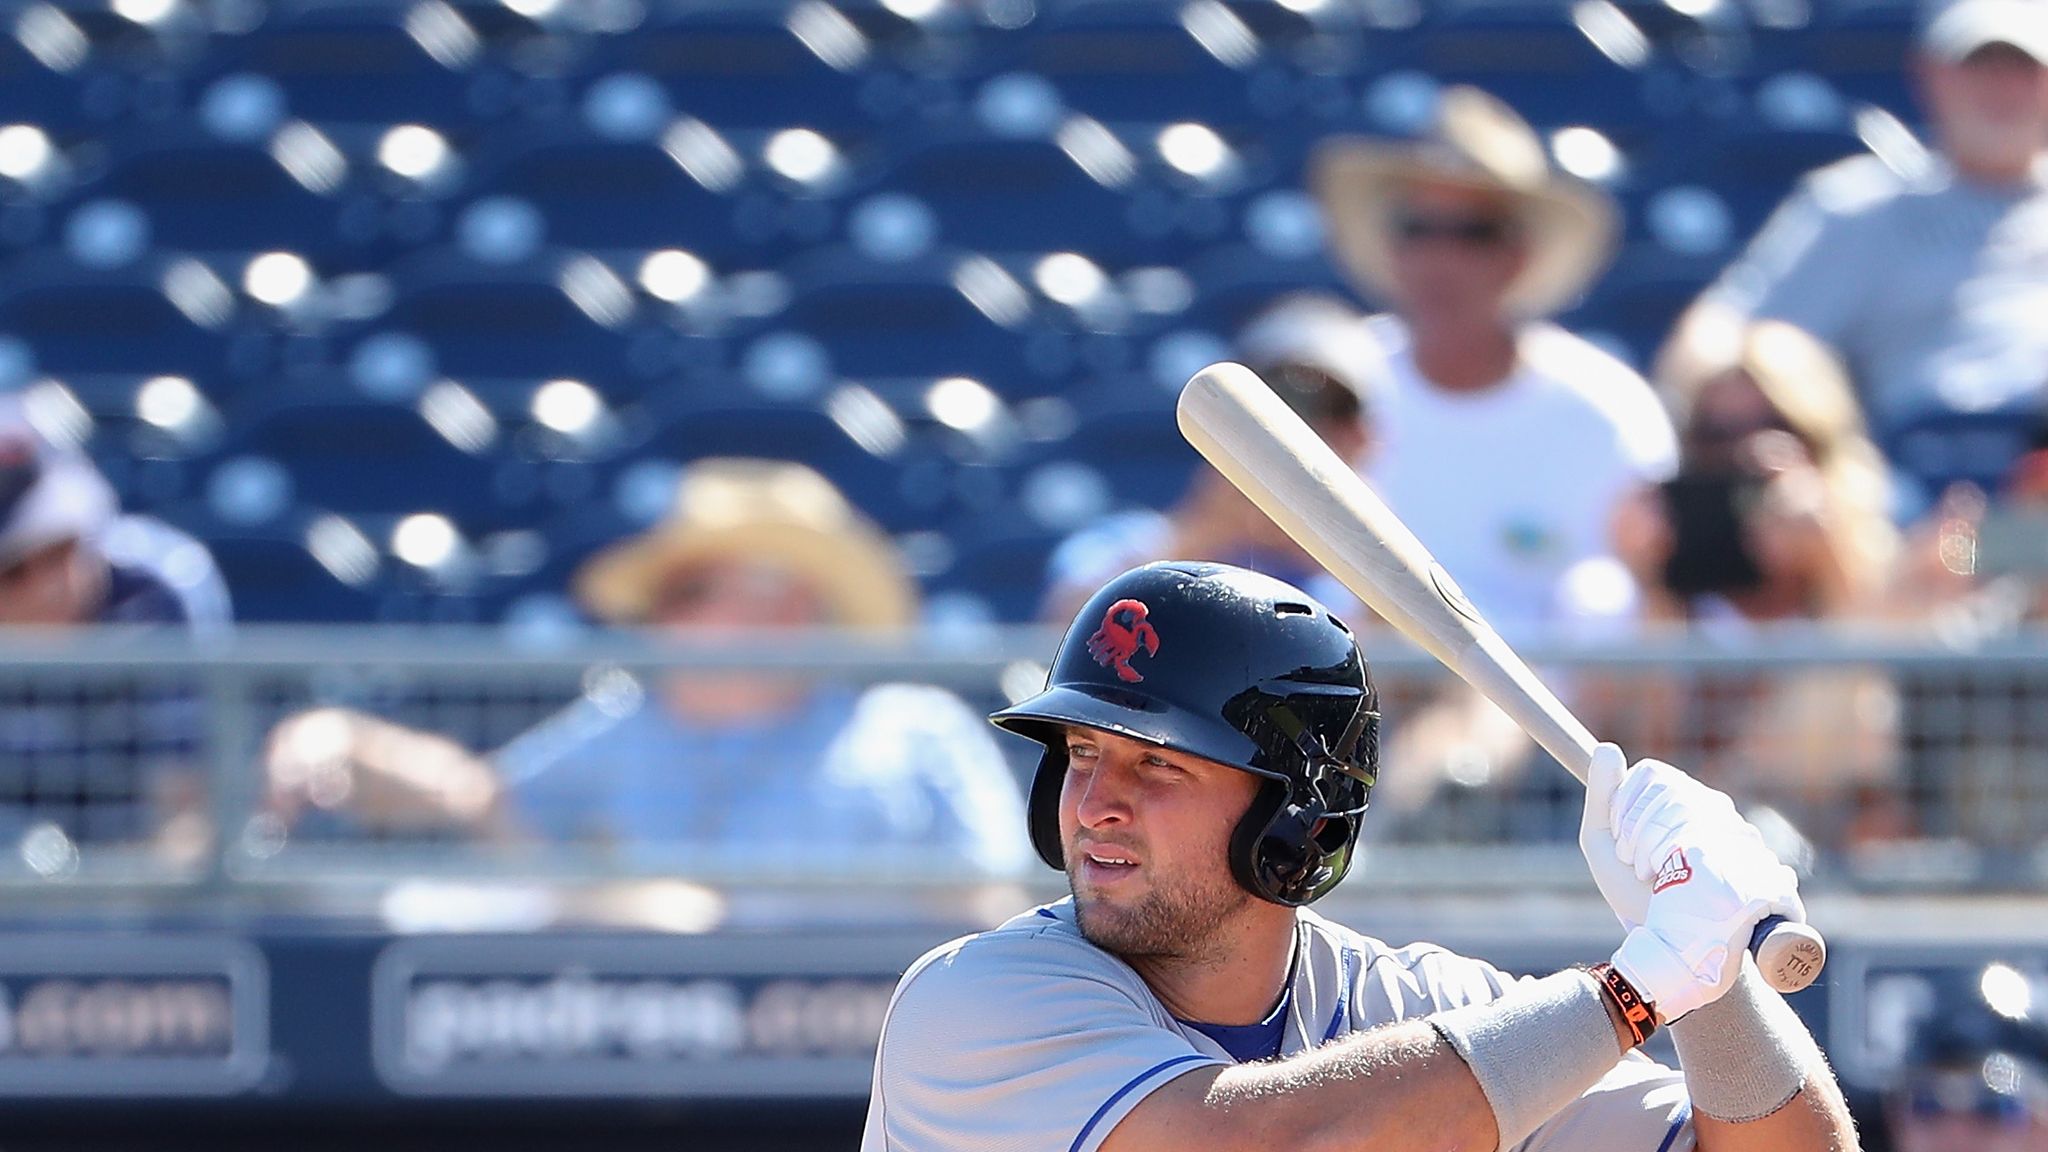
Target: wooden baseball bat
[1250, 435]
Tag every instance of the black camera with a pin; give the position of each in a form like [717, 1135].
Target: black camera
[1710, 548]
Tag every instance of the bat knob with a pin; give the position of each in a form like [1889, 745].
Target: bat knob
[1790, 955]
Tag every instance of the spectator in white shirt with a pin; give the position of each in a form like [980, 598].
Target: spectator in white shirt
[1504, 441]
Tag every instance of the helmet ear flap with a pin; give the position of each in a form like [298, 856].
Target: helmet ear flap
[1043, 814]
[1292, 845]
[1259, 859]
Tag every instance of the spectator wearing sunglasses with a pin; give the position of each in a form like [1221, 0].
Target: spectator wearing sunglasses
[1976, 1072]
[1469, 238]
[1503, 440]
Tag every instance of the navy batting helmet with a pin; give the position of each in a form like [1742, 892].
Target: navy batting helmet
[1234, 667]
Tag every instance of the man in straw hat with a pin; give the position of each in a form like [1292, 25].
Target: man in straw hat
[751, 765]
[1503, 440]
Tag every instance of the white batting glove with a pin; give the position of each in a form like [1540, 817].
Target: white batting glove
[1711, 880]
[1628, 895]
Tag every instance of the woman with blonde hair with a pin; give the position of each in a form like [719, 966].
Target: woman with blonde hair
[1763, 405]
[1777, 517]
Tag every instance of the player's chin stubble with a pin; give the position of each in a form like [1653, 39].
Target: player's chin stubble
[1168, 920]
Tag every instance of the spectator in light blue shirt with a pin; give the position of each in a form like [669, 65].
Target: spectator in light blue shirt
[776, 769]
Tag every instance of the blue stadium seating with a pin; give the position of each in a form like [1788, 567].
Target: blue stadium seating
[907, 319]
[365, 457]
[1008, 195]
[274, 575]
[202, 194]
[368, 63]
[165, 313]
[742, 64]
[830, 287]
[871, 478]
[1118, 61]
[605, 194]
[516, 323]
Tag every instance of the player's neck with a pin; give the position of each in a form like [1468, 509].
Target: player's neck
[1237, 980]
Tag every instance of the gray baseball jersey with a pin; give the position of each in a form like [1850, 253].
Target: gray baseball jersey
[1028, 1038]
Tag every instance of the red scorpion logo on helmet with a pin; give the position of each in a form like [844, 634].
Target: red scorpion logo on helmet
[1124, 630]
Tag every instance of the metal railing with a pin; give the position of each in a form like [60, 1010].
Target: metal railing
[147, 762]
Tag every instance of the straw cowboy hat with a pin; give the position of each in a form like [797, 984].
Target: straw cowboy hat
[1478, 142]
[757, 511]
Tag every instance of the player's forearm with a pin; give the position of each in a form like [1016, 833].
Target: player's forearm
[1815, 1119]
[1758, 1081]
[1479, 1077]
[1398, 1088]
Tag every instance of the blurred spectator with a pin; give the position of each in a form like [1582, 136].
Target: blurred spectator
[763, 767]
[1976, 1071]
[96, 761]
[1929, 277]
[1471, 237]
[1976, 570]
[1313, 352]
[1501, 439]
[1776, 515]
[1979, 565]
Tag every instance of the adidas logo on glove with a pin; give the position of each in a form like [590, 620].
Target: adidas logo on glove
[1673, 872]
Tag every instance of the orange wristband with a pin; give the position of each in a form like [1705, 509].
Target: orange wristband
[1635, 1011]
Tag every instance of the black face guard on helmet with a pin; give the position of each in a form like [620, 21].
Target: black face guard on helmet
[1235, 667]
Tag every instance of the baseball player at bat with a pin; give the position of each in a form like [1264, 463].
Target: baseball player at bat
[1211, 741]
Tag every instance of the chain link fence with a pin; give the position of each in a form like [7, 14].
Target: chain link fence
[144, 760]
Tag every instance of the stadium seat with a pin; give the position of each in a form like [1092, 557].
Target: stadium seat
[1026, 195]
[312, 570]
[744, 65]
[1539, 60]
[53, 97]
[1980, 448]
[161, 314]
[920, 319]
[603, 194]
[1003, 563]
[1120, 62]
[811, 435]
[1643, 293]
[147, 434]
[1866, 49]
[364, 457]
[1234, 282]
[1756, 164]
[1138, 448]
[202, 194]
[554, 314]
[367, 63]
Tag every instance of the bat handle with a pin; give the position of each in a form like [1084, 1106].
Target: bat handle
[1789, 954]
